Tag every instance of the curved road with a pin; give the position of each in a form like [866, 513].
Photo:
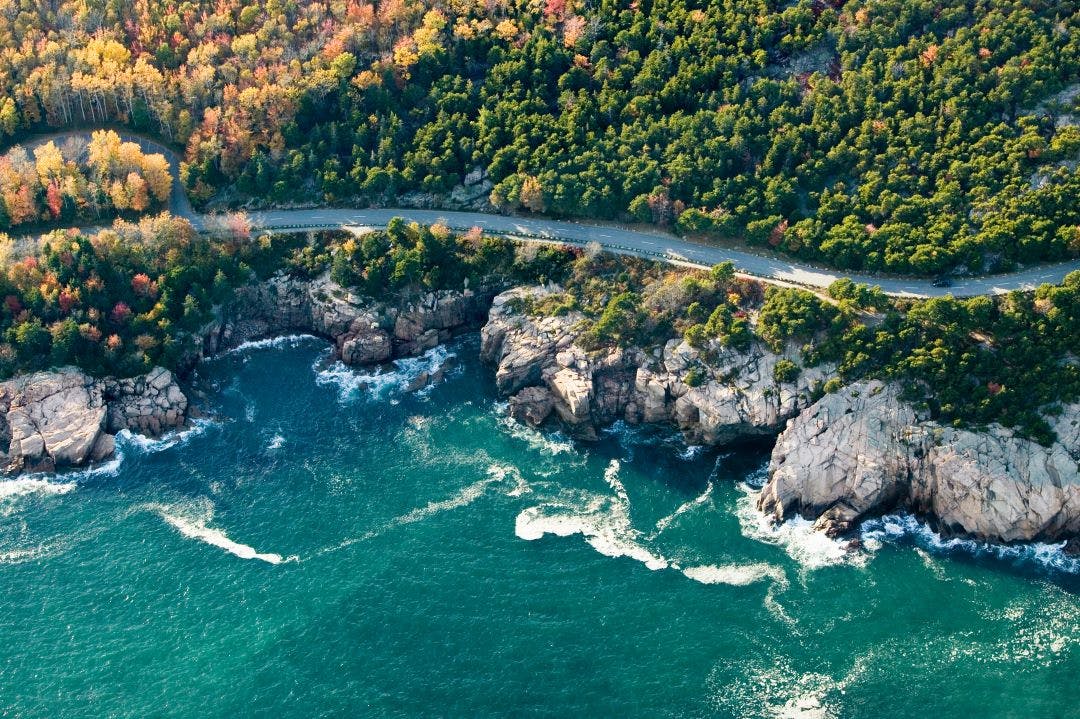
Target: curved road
[661, 246]
[653, 245]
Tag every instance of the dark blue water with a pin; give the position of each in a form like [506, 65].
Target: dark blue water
[329, 545]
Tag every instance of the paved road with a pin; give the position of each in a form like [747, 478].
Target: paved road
[178, 201]
[655, 245]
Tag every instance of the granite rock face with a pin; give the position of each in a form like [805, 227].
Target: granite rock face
[863, 450]
[839, 457]
[735, 394]
[363, 331]
[64, 418]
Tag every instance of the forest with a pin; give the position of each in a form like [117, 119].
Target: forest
[909, 136]
[134, 296]
[80, 180]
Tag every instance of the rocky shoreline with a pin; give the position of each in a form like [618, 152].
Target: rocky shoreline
[63, 419]
[838, 457]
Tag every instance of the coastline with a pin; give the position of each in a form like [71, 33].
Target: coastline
[552, 383]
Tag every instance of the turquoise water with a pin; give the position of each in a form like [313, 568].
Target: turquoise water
[329, 545]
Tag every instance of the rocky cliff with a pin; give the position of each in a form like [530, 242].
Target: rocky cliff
[363, 331]
[65, 418]
[839, 457]
[864, 450]
[714, 395]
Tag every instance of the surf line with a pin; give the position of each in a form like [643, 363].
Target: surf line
[196, 528]
[497, 474]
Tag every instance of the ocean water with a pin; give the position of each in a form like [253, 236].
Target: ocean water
[326, 544]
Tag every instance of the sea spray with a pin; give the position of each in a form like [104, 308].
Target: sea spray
[279, 342]
[140, 443]
[192, 519]
[796, 536]
[379, 382]
[900, 527]
[551, 443]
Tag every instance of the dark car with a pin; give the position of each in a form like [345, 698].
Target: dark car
[941, 282]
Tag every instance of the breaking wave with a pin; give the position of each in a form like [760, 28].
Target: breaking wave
[894, 528]
[379, 382]
[796, 536]
[550, 443]
[603, 521]
[14, 490]
[126, 439]
[270, 343]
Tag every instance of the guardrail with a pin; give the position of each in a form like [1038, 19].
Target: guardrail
[529, 236]
[553, 239]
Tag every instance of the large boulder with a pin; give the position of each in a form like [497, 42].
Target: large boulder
[65, 418]
[149, 405]
[864, 450]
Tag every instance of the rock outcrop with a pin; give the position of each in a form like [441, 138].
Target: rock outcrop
[363, 331]
[717, 395]
[864, 450]
[65, 418]
[843, 456]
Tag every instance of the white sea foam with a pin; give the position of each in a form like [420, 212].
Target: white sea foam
[503, 472]
[192, 521]
[893, 528]
[20, 555]
[270, 343]
[604, 531]
[736, 574]
[796, 536]
[465, 496]
[14, 490]
[379, 382]
[633, 436]
[603, 521]
[611, 476]
[217, 538]
[771, 688]
[276, 442]
[496, 474]
[665, 522]
[691, 452]
[551, 443]
[127, 439]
